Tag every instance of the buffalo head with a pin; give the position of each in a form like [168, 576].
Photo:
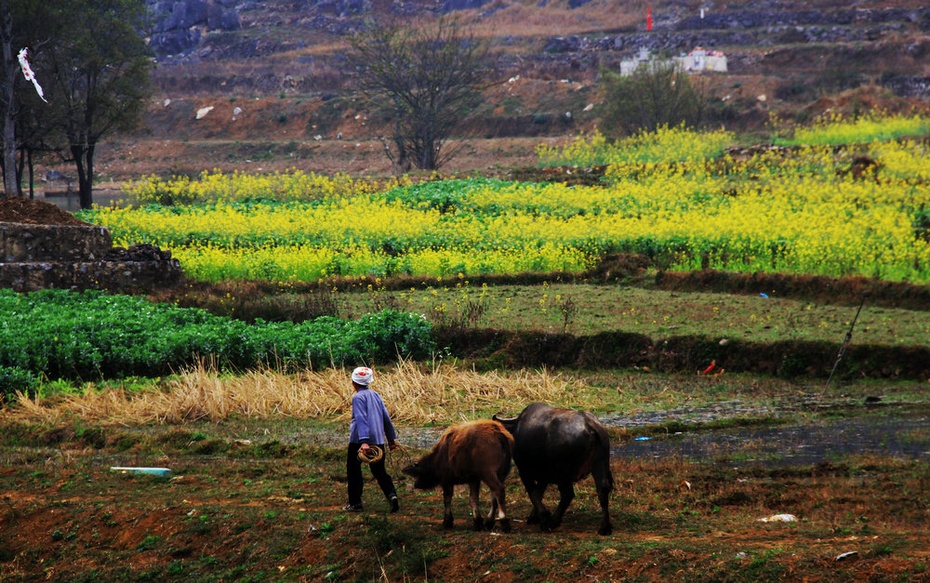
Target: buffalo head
[423, 477]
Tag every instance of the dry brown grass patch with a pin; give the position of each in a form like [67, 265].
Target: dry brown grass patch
[419, 395]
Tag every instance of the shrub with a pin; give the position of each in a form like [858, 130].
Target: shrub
[16, 380]
[655, 95]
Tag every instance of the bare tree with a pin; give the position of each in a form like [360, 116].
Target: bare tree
[428, 77]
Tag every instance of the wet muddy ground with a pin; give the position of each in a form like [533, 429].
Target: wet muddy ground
[874, 429]
[806, 431]
[792, 444]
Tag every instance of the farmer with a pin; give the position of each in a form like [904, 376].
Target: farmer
[371, 426]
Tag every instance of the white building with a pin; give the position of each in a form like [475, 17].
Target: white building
[700, 60]
[697, 61]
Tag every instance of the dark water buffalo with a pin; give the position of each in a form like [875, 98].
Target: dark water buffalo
[560, 446]
[468, 453]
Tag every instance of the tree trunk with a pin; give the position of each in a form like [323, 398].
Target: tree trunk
[32, 175]
[10, 184]
[87, 185]
[20, 167]
[402, 163]
[84, 161]
[10, 69]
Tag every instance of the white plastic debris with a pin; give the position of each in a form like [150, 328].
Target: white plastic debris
[29, 75]
[203, 111]
[780, 518]
[152, 471]
[844, 556]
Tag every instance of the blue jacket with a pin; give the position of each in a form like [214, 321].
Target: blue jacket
[371, 422]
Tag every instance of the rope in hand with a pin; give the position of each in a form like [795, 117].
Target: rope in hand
[407, 460]
[398, 465]
[371, 455]
[375, 454]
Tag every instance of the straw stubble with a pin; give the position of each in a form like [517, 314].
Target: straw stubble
[415, 394]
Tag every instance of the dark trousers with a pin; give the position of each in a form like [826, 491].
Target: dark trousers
[354, 475]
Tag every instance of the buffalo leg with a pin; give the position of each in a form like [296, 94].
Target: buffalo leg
[447, 503]
[498, 505]
[474, 489]
[604, 482]
[539, 514]
[566, 495]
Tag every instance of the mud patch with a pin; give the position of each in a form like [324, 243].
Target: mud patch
[791, 445]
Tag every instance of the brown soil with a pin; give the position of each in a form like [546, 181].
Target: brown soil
[232, 510]
[15, 209]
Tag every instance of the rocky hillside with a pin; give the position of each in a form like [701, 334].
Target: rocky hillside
[261, 84]
[264, 46]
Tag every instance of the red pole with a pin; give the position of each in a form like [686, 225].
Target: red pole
[649, 18]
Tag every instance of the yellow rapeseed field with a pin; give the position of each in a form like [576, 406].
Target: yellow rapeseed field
[808, 209]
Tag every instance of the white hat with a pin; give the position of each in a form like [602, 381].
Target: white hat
[362, 376]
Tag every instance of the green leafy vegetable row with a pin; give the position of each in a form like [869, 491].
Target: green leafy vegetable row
[60, 334]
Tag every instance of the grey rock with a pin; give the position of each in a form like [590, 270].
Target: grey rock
[178, 24]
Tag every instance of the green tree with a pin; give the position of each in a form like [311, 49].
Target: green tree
[93, 65]
[656, 94]
[428, 77]
[98, 75]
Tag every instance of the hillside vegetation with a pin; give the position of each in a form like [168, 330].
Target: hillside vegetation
[281, 97]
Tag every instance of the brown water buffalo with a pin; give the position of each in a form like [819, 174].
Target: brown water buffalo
[560, 446]
[468, 453]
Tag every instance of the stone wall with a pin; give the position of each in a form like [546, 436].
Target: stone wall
[35, 243]
[34, 257]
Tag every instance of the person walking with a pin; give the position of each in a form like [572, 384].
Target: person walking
[370, 426]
